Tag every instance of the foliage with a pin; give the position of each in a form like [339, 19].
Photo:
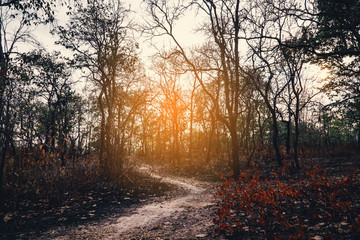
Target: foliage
[337, 33]
[282, 204]
[32, 11]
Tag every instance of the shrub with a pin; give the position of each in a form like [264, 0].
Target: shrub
[274, 204]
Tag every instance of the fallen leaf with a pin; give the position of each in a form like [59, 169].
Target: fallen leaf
[7, 217]
[317, 237]
[201, 235]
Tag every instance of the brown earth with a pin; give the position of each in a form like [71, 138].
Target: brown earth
[187, 215]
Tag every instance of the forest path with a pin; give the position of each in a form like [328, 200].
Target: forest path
[188, 215]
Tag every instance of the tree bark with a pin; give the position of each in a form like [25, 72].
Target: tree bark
[275, 138]
[235, 152]
[297, 132]
[211, 136]
[102, 130]
[358, 143]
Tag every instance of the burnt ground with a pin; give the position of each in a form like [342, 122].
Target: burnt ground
[30, 215]
[159, 207]
[327, 207]
[184, 216]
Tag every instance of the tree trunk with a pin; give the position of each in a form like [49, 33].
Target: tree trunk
[2, 163]
[3, 135]
[296, 140]
[5, 147]
[358, 143]
[102, 130]
[275, 139]
[191, 126]
[288, 136]
[210, 140]
[235, 150]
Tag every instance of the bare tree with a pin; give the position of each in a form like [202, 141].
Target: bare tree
[172, 102]
[98, 35]
[223, 17]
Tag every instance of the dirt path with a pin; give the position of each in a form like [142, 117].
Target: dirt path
[185, 216]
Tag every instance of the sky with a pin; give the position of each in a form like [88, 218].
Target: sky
[184, 32]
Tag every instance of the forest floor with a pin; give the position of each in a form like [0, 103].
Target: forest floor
[89, 199]
[184, 214]
[163, 206]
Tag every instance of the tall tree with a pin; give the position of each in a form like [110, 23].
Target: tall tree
[98, 34]
[335, 34]
[335, 44]
[20, 15]
[51, 87]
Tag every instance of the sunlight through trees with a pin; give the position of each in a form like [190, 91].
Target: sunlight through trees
[247, 92]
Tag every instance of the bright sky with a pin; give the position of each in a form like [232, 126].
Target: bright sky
[184, 31]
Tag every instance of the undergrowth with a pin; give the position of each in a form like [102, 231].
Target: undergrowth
[37, 199]
[283, 204]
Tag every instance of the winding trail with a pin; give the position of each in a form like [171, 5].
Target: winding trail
[185, 216]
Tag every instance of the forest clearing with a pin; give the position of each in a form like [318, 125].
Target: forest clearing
[181, 119]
